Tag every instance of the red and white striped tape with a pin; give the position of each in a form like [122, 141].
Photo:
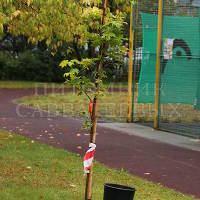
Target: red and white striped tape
[88, 158]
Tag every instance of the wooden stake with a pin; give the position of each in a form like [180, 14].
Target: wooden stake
[88, 189]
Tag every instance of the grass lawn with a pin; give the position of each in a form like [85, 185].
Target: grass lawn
[113, 107]
[31, 84]
[33, 171]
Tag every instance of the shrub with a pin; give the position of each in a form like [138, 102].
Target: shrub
[32, 66]
[38, 65]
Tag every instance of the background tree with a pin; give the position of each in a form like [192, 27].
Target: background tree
[60, 24]
[100, 23]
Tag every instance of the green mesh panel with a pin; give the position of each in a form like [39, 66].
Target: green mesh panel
[180, 80]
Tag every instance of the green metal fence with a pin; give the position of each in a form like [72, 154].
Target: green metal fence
[179, 96]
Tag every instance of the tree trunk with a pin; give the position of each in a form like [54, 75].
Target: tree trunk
[88, 190]
[78, 55]
[91, 50]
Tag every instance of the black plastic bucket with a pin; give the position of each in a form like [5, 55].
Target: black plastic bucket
[118, 192]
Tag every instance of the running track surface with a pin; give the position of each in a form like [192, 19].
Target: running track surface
[172, 166]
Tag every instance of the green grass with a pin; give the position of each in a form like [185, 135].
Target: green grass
[112, 107]
[120, 85]
[29, 170]
[32, 84]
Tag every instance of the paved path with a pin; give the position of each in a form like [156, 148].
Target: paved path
[175, 167]
[157, 135]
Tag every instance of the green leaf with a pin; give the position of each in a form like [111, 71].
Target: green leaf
[64, 63]
[1, 28]
[66, 74]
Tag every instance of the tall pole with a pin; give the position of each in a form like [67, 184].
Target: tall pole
[130, 67]
[198, 6]
[88, 189]
[157, 88]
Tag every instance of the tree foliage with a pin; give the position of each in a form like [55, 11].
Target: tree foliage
[52, 20]
[72, 21]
